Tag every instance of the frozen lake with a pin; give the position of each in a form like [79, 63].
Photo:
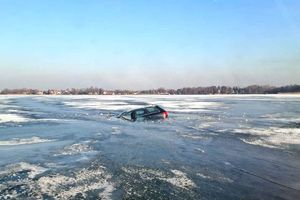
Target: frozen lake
[211, 147]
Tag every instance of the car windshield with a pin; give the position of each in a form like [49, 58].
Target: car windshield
[126, 115]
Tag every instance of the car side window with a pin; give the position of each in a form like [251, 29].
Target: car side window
[152, 109]
[140, 112]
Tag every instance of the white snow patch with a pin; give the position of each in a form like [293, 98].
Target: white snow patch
[195, 137]
[200, 150]
[215, 177]
[185, 106]
[102, 105]
[259, 142]
[280, 117]
[4, 118]
[180, 180]
[203, 125]
[23, 141]
[272, 137]
[203, 176]
[16, 118]
[171, 104]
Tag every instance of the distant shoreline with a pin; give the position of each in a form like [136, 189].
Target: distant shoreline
[210, 90]
[278, 94]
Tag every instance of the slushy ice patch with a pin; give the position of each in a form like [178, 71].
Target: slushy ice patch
[16, 169]
[85, 183]
[176, 177]
[77, 148]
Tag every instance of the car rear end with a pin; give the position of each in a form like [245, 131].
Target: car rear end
[163, 112]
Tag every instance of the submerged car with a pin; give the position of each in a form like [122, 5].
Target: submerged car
[147, 113]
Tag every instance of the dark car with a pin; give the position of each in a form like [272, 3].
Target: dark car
[146, 113]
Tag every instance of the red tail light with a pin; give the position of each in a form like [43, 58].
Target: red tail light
[165, 114]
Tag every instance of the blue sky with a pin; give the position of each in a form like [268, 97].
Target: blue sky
[148, 44]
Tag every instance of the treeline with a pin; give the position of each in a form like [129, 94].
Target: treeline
[253, 89]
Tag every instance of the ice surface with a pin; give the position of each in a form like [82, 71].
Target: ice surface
[210, 147]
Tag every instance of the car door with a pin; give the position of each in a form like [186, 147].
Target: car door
[140, 114]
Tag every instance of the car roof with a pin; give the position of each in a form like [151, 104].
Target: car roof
[151, 106]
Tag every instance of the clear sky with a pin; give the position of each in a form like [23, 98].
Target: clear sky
[139, 44]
